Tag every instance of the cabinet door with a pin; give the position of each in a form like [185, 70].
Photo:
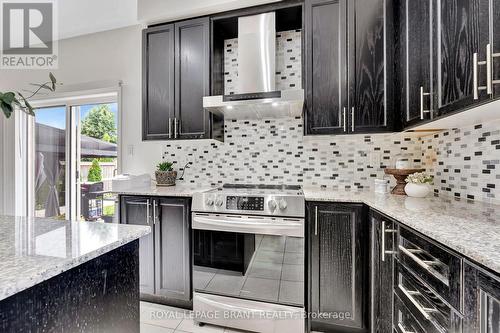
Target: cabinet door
[382, 233]
[173, 264]
[464, 27]
[338, 267]
[416, 56]
[137, 210]
[326, 66]
[370, 70]
[482, 301]
[192, 80]
[495, 47]
[158, 82]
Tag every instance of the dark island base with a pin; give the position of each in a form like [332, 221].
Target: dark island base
[101, 295]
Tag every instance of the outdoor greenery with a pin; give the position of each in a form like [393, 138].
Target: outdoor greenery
[10, 100]
[100, 124]
[165, 166]
[95, 172]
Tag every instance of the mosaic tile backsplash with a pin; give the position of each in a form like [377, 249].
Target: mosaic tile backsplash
[465, 162]
[276, 152]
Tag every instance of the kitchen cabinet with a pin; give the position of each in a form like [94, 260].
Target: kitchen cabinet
[416, 60]
[172, 250]
[349, 86]
[338, 267]
[164, 254]
[176, 77]
[137, 210]
[383, 234]
[158, 107]
[464, 27]
[482, 300]
[326, 67]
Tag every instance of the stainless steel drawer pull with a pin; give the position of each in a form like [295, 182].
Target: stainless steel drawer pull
[402, 329]
[316, 220]
[148, 216]
[170, 128]
[154, 211]
[422, 109]
[409, 295]
[425, 264]
[345, 120]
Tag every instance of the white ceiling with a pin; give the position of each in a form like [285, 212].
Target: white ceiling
[81, 17]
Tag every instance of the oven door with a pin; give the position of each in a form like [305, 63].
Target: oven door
[255, 258]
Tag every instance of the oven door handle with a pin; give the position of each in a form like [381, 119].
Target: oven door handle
[250, 226]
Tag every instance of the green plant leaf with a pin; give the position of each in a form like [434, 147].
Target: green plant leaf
[27, 106]
[53, 81]
[43, 86]
[6, 108]
[8, 97]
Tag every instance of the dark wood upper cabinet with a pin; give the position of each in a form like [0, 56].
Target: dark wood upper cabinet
[464, 27]
[158, 82]
[415, 60]
[338, 266]
[370, 66]
[349, 74]
[326, 66]
[192, 79]
[176, 77]
[482, 300]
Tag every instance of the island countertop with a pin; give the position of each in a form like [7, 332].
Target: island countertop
[33, 250]
[471, 228]
[165, 191]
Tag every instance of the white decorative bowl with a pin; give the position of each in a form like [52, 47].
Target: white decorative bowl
[417, 190]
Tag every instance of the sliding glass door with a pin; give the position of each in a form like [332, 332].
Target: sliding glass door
[75, 148]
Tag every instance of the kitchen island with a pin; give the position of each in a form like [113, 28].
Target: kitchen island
[68, 276]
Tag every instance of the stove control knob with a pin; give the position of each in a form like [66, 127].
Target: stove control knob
[219, 201]
[209, 201]
[282, 204]
[272, 205]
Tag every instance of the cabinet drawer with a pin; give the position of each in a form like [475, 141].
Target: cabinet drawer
[430, 311]
[437, 267]
[404, 321]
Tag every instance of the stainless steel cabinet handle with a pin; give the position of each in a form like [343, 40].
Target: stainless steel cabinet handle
[154, 211]
[382, 245]
[402, 329]
[412, 299]
[422, 110]
[489, 81]
[148, 217]
[474, 76]
[175, 128]
[345, 120]
[170, 128]
[352, 120]
[316, 220]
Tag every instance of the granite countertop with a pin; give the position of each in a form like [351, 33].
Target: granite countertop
[469, 227]
[165, 191]
[33, 250]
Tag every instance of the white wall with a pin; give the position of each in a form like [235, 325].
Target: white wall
[107, 56]
[155, 11]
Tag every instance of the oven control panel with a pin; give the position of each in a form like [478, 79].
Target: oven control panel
[244, 203]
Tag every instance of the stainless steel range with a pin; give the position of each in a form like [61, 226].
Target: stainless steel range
[248, 265]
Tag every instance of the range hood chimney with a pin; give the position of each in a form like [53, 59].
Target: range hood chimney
[256, 95]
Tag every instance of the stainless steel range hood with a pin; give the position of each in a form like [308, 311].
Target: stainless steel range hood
[256, 96]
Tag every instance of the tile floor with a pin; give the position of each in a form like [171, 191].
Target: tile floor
[156, 318]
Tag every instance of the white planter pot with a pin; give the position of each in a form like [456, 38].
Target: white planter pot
[417, 190]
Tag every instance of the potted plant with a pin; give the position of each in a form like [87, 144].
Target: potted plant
[165, 175]
[418, 185]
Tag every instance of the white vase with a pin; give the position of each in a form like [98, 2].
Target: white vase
[417, 190]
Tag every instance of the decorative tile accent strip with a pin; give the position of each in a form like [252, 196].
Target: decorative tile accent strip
[276, 152]
[288, 62]
[465, 162]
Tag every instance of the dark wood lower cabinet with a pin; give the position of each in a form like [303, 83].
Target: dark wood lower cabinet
[382, 239]
[164, 254]
[481, 300]
[338, 267]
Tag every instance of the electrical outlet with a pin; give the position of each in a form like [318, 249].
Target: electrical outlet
[130, 150]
